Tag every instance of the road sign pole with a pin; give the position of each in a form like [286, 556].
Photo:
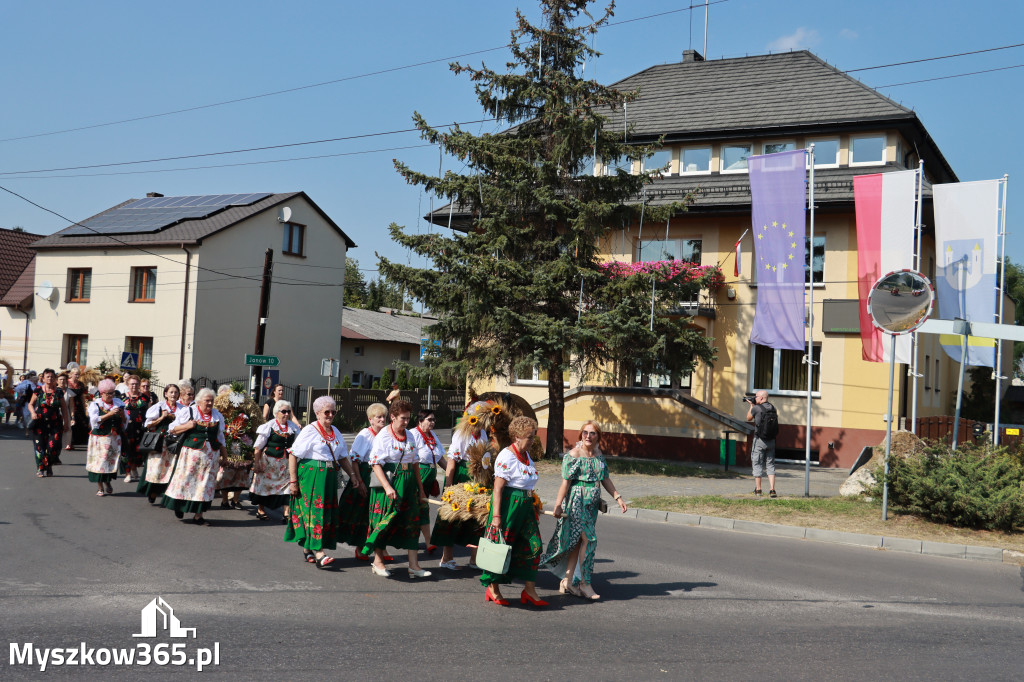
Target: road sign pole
[888, 427]
[255, 379]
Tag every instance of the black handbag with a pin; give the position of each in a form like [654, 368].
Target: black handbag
[152, 441]
[174, 441]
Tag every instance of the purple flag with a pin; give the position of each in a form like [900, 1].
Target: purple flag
[778, 190]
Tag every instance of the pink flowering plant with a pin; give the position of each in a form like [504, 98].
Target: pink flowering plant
[709, 276]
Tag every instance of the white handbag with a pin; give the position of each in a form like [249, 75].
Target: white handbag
[493, 557]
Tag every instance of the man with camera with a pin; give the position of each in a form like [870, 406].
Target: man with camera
[766, 427]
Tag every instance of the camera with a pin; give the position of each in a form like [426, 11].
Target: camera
[748, 399]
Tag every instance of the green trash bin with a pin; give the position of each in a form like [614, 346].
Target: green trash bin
[727, 451]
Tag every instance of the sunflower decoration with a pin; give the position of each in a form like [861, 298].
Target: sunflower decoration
[538, 506]
[241, 416]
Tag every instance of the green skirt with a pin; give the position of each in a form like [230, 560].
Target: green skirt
[450, 533]
[354, 510]
[427, 476]
[395, 523]
[522, 533]
[145, 487]
[314, 511]
[185, 506]
[102, 478]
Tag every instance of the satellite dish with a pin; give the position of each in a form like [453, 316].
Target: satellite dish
[286, 214]
[46, 291]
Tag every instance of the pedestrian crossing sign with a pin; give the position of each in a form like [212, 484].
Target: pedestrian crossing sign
[129, 360]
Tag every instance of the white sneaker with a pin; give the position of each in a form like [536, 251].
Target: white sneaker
[128, 478]
[421, 573]
[451, 565]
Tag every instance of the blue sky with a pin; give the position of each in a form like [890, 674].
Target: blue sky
[70, 64]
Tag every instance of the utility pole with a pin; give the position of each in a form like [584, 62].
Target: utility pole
[256, 377]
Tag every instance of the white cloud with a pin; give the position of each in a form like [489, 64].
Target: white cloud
[849, 34]
[799, 39]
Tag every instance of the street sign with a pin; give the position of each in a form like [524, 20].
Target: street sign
[262, 360]
[270, 378]
[329, 367]
[129, 360]
[425, 347]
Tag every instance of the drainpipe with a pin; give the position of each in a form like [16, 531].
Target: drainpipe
[184, 313]
[24, 352]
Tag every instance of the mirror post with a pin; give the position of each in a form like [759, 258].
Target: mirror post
[888, 428]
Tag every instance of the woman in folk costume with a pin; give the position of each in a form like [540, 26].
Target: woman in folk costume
[319, 451]
[50, 418]
[191, 487]
[106, 419]
[583, 473]
[136, 406]
[448, 533]
[156, 473]
[78, 402]
[514, 516]
[270, 462]
[431, 455]
[396, 494]
[354, 505]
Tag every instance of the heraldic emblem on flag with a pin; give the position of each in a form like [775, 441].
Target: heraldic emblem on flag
[778, 190]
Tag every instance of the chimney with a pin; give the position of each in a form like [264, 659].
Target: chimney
[692, 56]
[153, 194]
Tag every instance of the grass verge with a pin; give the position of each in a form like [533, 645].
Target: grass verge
[831, 513]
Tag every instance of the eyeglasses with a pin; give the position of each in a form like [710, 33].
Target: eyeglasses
[325, 412]
[288, 412]
[590, 433]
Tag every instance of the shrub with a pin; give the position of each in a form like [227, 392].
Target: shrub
[974, 487]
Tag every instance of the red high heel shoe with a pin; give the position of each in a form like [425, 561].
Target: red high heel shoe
[489, 596]
[527, 599]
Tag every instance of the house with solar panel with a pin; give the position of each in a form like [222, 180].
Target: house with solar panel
[705, 119]
[177, 280]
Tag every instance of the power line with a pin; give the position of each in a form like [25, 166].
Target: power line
[321, 84]
[956, 75]
[932, 59]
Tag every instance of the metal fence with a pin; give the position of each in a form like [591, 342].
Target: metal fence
[940, 428]
[352, 403]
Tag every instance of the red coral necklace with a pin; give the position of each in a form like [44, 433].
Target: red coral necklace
[524, 460]
[323, 432]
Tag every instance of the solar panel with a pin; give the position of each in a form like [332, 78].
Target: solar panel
[153, 214]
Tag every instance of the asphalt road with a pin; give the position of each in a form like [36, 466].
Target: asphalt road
[678, 602]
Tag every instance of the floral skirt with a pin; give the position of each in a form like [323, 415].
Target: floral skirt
[450, 533]
[156, 473]
[102, 456]
[354, 510]
[579, 521]
[520, 530]
[270, 488]
[395, 523]
[191, 486]
[235, 476]
[314, 511]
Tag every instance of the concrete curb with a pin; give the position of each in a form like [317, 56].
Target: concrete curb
[926, 547]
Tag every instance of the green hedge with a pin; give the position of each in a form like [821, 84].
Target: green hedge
[973, 487]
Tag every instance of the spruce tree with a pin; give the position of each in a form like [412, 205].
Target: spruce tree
[522, 286]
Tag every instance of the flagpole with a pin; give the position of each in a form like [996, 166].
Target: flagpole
[1002, 287]
[914, 376]
[809, 359]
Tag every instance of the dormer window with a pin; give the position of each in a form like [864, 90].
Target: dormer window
[826, 152]
[612, 166]
[734, 158]
[867, 150]
[661, 161]
[777, 147]
[695, 161]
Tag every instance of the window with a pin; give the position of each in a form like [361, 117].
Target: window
[659, 161]
[819, 259]
[294, 239]
[783, 371]
[587, 166]
[358, 350]
[143, 285]
[826, 152]
[143, 345]
[868, 150]
[612, 166]
[405, 355]
[935, 376]
[79, 285]
[734, 158]
[695, 161]
[776, 147]
[357, 379]
[687, 250]
[927, 378]
[76, 348]
[641, 380]
[540, 376]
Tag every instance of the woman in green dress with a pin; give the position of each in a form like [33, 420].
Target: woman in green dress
[513, 515]
[584, 471]
[354, 505]
[395, 494]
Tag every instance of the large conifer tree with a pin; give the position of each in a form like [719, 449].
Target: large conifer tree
[522, 285]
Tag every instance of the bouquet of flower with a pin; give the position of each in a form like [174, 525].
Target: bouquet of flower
[241, 417]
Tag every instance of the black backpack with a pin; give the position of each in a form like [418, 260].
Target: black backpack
[767, 426]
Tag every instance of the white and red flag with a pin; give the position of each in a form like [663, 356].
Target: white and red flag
[885, 242]
[738, 242]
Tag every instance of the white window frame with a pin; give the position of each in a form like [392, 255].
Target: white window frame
[608, 169]
[668, 167]
[535, 379]
[764, 145]
[721, 157]
[818, 140]
[885, 148]
[682, 154]
[777, 370]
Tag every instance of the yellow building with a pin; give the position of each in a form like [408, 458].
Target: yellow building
[710, 116]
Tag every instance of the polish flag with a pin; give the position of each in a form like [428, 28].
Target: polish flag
[885, 242]
[737, 269]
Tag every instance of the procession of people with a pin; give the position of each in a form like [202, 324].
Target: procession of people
[175, 448]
